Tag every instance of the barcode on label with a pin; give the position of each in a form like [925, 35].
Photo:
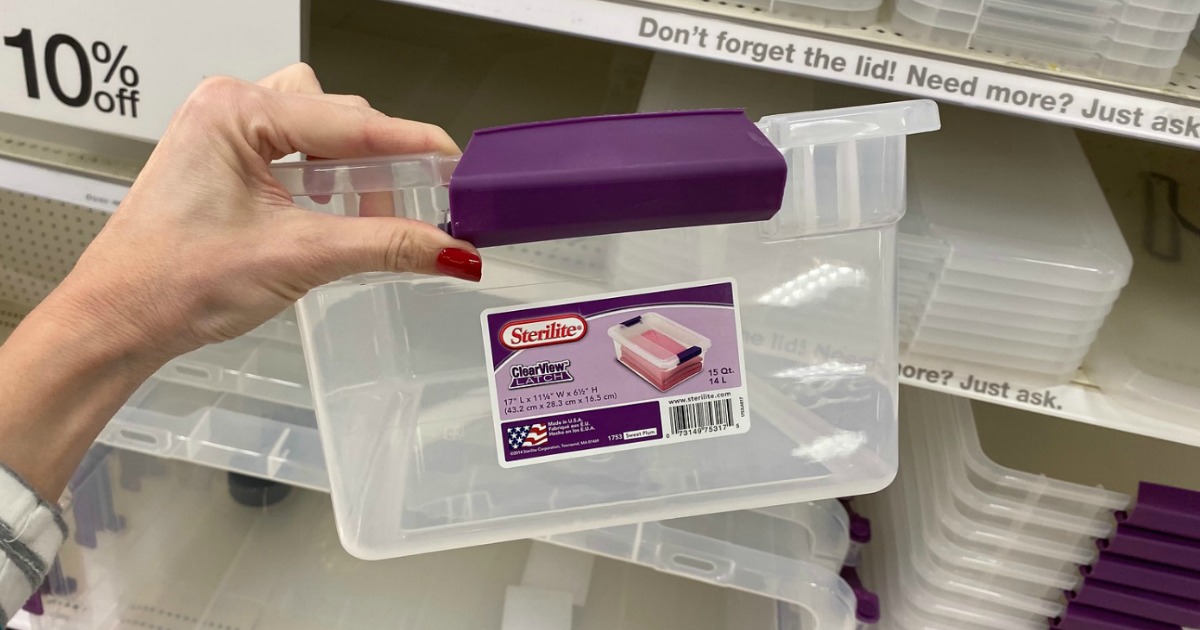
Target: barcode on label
[714, 413]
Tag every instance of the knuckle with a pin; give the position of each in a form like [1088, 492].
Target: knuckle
[220, 89]
[398, 253]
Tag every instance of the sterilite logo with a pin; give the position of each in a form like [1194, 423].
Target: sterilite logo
[543, 331]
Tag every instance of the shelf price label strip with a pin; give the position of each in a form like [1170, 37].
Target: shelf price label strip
[714, 38]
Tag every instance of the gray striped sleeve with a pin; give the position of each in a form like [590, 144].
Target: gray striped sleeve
[31, 531]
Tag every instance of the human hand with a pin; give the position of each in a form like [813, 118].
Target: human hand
[207, 245]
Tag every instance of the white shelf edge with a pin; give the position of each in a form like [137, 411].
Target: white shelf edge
[1077, 400]
[64, 186]
[620, 22]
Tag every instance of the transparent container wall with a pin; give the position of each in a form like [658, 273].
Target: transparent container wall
[225, 430]
[789, 553]
[161, 544]
[401, 388]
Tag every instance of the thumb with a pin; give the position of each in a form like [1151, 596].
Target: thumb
[350, 245]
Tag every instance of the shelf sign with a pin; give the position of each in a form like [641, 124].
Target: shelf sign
[124, 66]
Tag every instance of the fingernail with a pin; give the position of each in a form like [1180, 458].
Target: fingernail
[460, 263]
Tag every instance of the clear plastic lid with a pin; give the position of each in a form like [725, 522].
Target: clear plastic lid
[1017, 199]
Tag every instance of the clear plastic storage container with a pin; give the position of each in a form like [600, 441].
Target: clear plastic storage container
[166, 545]
[243, 405]
[401, 387]
[659, 350]
[1010, 256]
[789, 553]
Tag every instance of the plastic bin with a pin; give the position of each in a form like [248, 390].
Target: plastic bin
[161, 544]
[659, 350]
[401, 388]
[788, 553]
[1009, 258]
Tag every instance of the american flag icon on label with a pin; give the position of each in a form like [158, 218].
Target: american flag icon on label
[526, 436]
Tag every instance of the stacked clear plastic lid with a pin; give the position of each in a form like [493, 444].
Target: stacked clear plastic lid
[401, 387]
[1009, 256]
[1131, 41]
[850, 13]
[962, 542]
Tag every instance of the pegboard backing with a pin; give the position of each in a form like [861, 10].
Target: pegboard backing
[40, 240]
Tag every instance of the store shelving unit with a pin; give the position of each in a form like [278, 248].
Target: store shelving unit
[621, 22]
[75, 177]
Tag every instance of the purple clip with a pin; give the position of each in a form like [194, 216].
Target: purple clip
[1137, 602]
[860, 526]
[1151, 576]
[867, 610]
[1153, 546]
[1165, 509]
[1080, 617]
[612, 174]
[34, 605]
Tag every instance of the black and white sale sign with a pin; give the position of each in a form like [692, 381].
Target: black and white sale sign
[124, 66]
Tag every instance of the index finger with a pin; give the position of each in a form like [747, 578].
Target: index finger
[332, 130]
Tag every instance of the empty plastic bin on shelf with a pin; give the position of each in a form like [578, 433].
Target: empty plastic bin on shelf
[659, 350]
[455, 414]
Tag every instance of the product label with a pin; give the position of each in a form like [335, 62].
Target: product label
[613, 372]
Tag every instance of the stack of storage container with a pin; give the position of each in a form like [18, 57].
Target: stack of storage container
[963, 542]
[1129, 41]
[167, 545]
[1010, 257]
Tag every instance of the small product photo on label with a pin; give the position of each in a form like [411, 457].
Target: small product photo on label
[615, 372]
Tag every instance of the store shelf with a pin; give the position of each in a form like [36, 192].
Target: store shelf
[69, 165]
[1079, 400]
[1001, 84]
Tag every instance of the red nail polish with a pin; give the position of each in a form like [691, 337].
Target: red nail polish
[460, 263]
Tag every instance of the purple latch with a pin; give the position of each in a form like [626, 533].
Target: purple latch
[1151, 576]
[1165, 509]
[860, 526]
[33, 605]
[1137, 602]
[1153, 546]
[867, 609]
[612, 174]
[1081, 617]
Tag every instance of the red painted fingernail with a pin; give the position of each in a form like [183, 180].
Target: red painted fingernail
[460, 263]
